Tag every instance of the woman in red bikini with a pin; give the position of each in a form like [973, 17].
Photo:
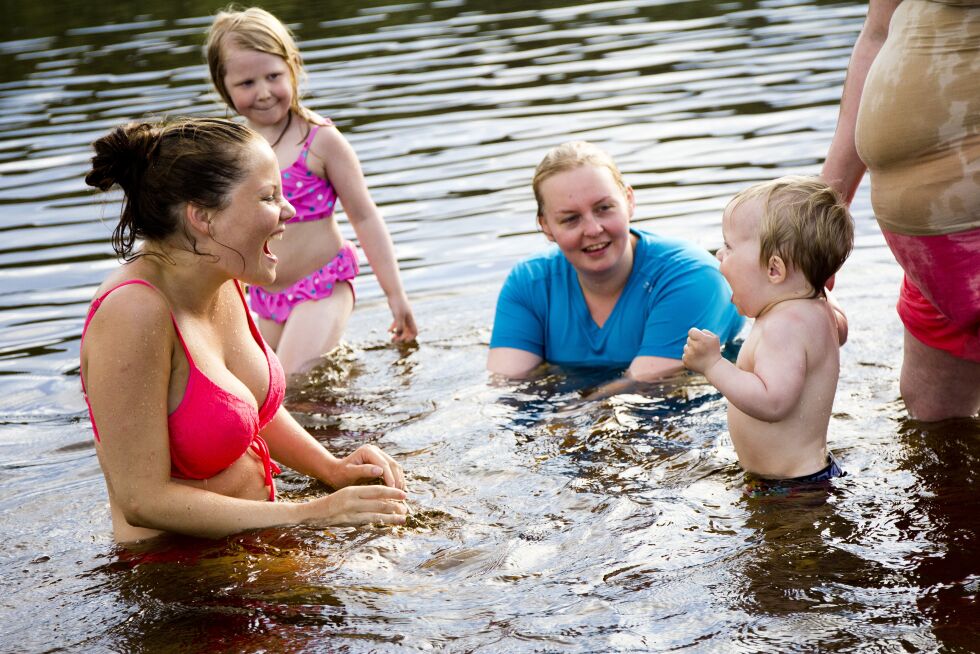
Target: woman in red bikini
[184, 395]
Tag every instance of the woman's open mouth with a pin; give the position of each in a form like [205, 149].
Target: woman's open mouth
[265, 246]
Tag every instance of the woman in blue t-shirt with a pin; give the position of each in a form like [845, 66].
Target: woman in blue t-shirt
[609, 296]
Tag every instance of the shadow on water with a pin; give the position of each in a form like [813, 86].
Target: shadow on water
[945, 513]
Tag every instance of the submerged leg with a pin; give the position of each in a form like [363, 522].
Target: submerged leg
[314, 328]
[937, 385]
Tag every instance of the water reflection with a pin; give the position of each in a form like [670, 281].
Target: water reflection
[267, 589]
[943, 515]
[541, 520]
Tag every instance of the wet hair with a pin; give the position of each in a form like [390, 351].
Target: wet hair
[568, 156]
[805, 222]
[255, 29]
[161, 167]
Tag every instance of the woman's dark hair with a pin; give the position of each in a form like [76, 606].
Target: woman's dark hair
[163, 166]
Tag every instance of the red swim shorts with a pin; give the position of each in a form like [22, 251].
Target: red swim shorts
[939, 302]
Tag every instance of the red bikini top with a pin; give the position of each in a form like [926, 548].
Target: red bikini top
[211, 428]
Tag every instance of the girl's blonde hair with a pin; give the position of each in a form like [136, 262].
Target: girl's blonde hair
[805, 222]
[568, 156]
[255, 29]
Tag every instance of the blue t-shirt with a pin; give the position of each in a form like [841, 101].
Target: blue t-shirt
[674, 285]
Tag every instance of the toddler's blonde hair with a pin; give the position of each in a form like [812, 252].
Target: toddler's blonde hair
[805, 222]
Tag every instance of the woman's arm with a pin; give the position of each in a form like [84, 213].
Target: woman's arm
[343, 169]
[643, 370]
[511, 362]
[292, 445]
[651, 369]
[843, 168]
[127, 362]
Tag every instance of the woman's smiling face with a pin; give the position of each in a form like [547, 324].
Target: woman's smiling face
[255, 214]
[587, 213]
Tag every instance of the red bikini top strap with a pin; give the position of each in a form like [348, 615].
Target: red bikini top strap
[252, 327]
[99, 300]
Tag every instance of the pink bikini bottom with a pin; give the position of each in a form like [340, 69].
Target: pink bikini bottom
[315, 286]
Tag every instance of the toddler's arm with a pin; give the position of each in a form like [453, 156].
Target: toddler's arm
[771, 390]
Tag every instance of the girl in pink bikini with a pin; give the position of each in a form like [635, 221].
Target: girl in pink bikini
[256, 67]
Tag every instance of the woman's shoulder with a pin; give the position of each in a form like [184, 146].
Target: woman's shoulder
[132, 299]
[129, 315]
[658, 250]
[542, 265]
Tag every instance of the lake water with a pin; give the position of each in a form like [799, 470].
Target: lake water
[540, 522]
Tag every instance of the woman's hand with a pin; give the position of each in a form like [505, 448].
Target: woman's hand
[364, 464]
[402, 329]
[358, 505]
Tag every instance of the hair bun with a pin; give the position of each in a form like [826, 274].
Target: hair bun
[122, 156]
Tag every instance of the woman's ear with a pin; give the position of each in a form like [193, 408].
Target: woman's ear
[543, 224]
[198, 219]
[631, 201]
[776, 270]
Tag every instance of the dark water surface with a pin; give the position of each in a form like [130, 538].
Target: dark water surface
[540, 522]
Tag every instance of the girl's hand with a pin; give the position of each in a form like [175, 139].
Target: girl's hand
[702, 350]
[402, 329]
[367, 463]
[358, 505]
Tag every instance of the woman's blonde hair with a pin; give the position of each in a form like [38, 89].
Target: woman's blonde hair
[255, 29]
[568, 156]
[805, 222]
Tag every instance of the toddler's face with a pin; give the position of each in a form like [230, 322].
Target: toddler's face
[739, 256]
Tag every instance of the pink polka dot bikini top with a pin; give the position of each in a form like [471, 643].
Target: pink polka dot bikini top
[313, 197]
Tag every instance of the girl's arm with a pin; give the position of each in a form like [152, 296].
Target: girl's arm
[772, 389]
[343, 169]
[292, 445]
[843, 168]
[127, 362]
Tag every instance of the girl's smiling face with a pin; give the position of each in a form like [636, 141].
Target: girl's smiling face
[260, 85]
[587, 214]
